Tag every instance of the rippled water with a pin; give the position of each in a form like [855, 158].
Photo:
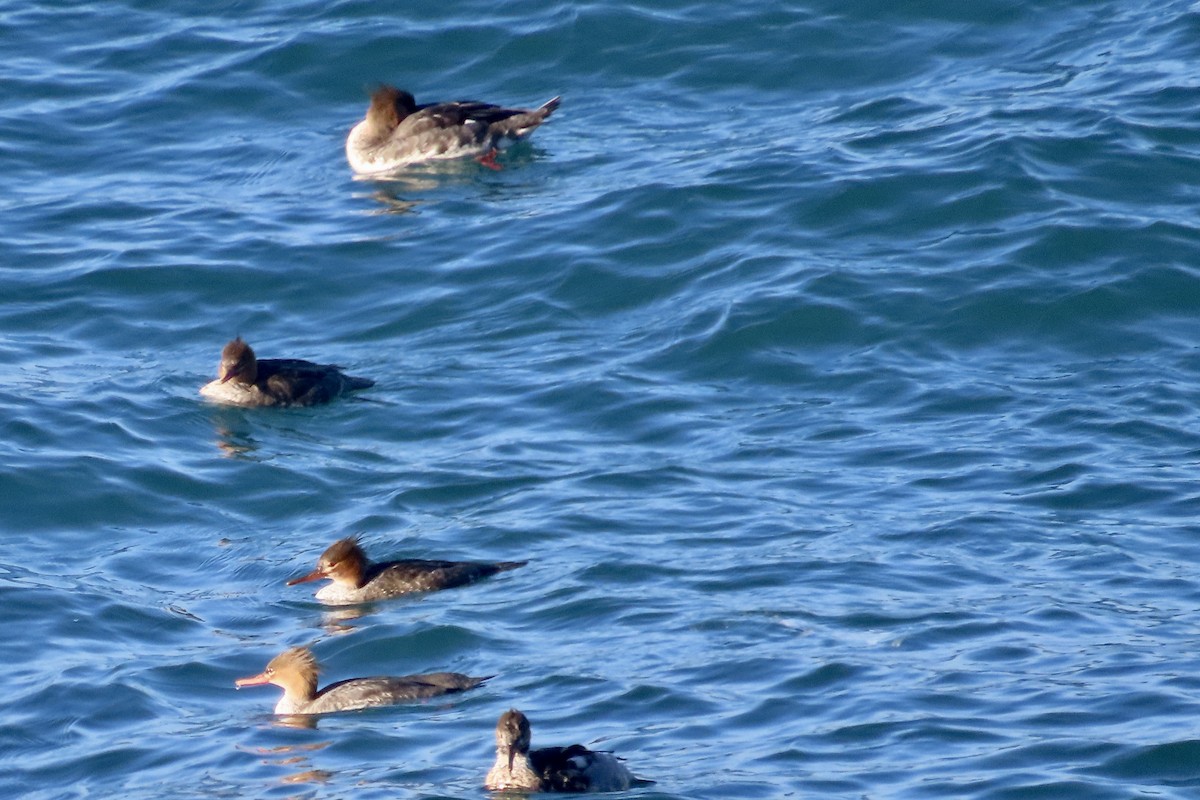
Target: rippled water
[835, 367]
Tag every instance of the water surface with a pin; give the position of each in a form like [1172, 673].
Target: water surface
[835, 368]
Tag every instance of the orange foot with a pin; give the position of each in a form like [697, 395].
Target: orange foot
[488, 159]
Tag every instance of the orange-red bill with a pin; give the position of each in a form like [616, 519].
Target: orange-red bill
[256, 680]
[315, 575]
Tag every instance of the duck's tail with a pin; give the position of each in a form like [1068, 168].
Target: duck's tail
[520, 125]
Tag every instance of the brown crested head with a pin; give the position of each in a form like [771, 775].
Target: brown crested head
[512, 734]
[238, 362]
[389, 106]
[343, 561]
[294, 670]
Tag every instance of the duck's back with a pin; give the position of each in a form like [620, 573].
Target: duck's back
[422, 575]
[456, 114]
[578, 769]
[357, 693]
[443, 130]
[293, 381]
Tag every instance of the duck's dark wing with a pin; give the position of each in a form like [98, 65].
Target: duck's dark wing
[460, 113]
[484, 118]
[421, 575]
[356, 693]
[435, 683]
[293, 381]
[563, 769]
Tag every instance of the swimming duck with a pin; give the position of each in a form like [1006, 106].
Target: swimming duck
[246, 380]
[357, 580]
[295, 671]
[396, 131]
[550, 769]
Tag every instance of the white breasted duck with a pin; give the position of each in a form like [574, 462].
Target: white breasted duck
[357, 580]
[246, 380]
[397, 131]
[295, 671]
[551, 769]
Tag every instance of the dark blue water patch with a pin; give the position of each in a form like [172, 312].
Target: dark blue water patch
[1165, 764]
[864, 376]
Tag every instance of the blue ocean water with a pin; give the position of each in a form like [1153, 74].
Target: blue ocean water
[835, 367]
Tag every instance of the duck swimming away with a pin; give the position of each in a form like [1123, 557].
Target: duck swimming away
[551, 769]
[243, 379]
[357, 580]
[397, 131]
[295, 671]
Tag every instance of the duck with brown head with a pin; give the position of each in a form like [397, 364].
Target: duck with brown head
[551, 769]
[396, 131]
[296, 670]
[243, 379]
[357, 580]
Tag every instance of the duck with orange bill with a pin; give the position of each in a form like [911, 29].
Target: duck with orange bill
[296, 670]
[356, 579]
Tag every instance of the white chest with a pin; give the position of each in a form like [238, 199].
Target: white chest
[233, 393]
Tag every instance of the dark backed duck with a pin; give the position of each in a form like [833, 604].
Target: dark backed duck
[295, 671]
[357, 580]
[550, 769]
[243, 379]
[397, 131]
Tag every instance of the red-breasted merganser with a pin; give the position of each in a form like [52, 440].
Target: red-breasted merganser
[397, 131]
[295, 671]
[245, 380]
[551, 769]
[357, 580]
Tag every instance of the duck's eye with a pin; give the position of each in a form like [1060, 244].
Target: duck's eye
[270, 671]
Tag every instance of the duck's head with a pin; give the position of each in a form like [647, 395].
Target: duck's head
[295, 671]
[512, 735]
[389, 106]
[238, 363]
[342, 562]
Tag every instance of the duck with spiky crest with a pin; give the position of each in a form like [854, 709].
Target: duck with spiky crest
[296, 670]
[355, 579]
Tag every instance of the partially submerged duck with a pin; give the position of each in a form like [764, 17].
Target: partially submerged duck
[397, 131]
[295, 671]
[551, 769]
[243, 379]
[357, 580]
